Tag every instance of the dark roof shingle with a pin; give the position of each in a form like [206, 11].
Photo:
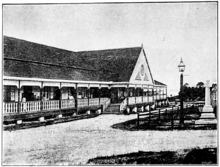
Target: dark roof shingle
[27, 59]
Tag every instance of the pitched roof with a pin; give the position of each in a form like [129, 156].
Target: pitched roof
[159, 83]
[114, 65]
[35, 70]
[24, 50]
[28, 59]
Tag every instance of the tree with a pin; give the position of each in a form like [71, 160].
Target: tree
[193, 93]
[200, 85]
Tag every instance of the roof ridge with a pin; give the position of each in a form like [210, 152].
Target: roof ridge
[69, 50]
[108, 49]
[39, 44]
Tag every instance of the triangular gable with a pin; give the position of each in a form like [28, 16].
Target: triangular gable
[141, 73]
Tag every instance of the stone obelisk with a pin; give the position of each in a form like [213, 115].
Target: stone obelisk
[207, 111]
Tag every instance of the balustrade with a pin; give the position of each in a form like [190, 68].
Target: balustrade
[50, 104]
[30, 106]
[139, 99]
[94, 101]
[10, 107]
[145, 99]
[68, 103]
[150, 98]
[131, 100]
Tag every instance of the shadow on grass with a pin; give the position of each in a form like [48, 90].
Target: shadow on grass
[35, 124]
[190, 156]
[164, 122]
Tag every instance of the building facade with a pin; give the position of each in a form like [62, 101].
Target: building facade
[40, 79]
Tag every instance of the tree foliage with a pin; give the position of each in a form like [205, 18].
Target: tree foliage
[193, 93]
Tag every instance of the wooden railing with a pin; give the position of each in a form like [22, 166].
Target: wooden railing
[50, 104]
[145, 99]
[82, 102]
[10, 107]
[139, 99]
[131, 100]
[30, 106]
[94, 101]
[150, 98]
[68, 103]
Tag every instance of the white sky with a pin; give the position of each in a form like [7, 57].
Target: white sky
[168, 32]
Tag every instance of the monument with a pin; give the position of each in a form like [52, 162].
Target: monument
[207, 116]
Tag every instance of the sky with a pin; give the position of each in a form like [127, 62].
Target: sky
[168, 32]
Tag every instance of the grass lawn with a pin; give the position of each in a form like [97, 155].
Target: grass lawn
[164, 123]
[187, 156]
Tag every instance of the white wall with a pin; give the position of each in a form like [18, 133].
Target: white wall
[141, 61]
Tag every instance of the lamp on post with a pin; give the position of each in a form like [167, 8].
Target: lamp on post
[181, 70]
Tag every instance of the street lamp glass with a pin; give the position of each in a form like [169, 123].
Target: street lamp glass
[181, 66]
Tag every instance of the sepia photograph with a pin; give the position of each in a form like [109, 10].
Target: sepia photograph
[110, 83]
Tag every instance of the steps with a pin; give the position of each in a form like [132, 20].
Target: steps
[113, 109]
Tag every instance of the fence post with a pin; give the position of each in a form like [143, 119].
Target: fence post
[138, 120]
[149, 116]
[172, 118]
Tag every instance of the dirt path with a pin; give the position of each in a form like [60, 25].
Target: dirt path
[74, 143]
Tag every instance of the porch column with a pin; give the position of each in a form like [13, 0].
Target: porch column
[153, 94]
[148, 94]
[142, 93]
[75, 97]
[41, 96]
[135, 93]
[19, 101]
[128, 94]
[88, 93]
[99, 90]
[60, 98]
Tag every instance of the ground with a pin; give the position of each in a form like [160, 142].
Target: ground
[74, 143]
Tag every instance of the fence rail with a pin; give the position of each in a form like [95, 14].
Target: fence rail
[169, 115]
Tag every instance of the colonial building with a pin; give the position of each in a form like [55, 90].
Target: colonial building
[40, 79]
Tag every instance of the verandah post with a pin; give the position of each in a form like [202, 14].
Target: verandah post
[76, 100]
[149, 116]
[41, 96]
[172, 118]
[88, 94]
[60, 98]
[19, 101]
[138, 120]
[99, 90]
[128, 95]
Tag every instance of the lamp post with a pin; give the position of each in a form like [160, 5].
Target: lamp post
[181, 70]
